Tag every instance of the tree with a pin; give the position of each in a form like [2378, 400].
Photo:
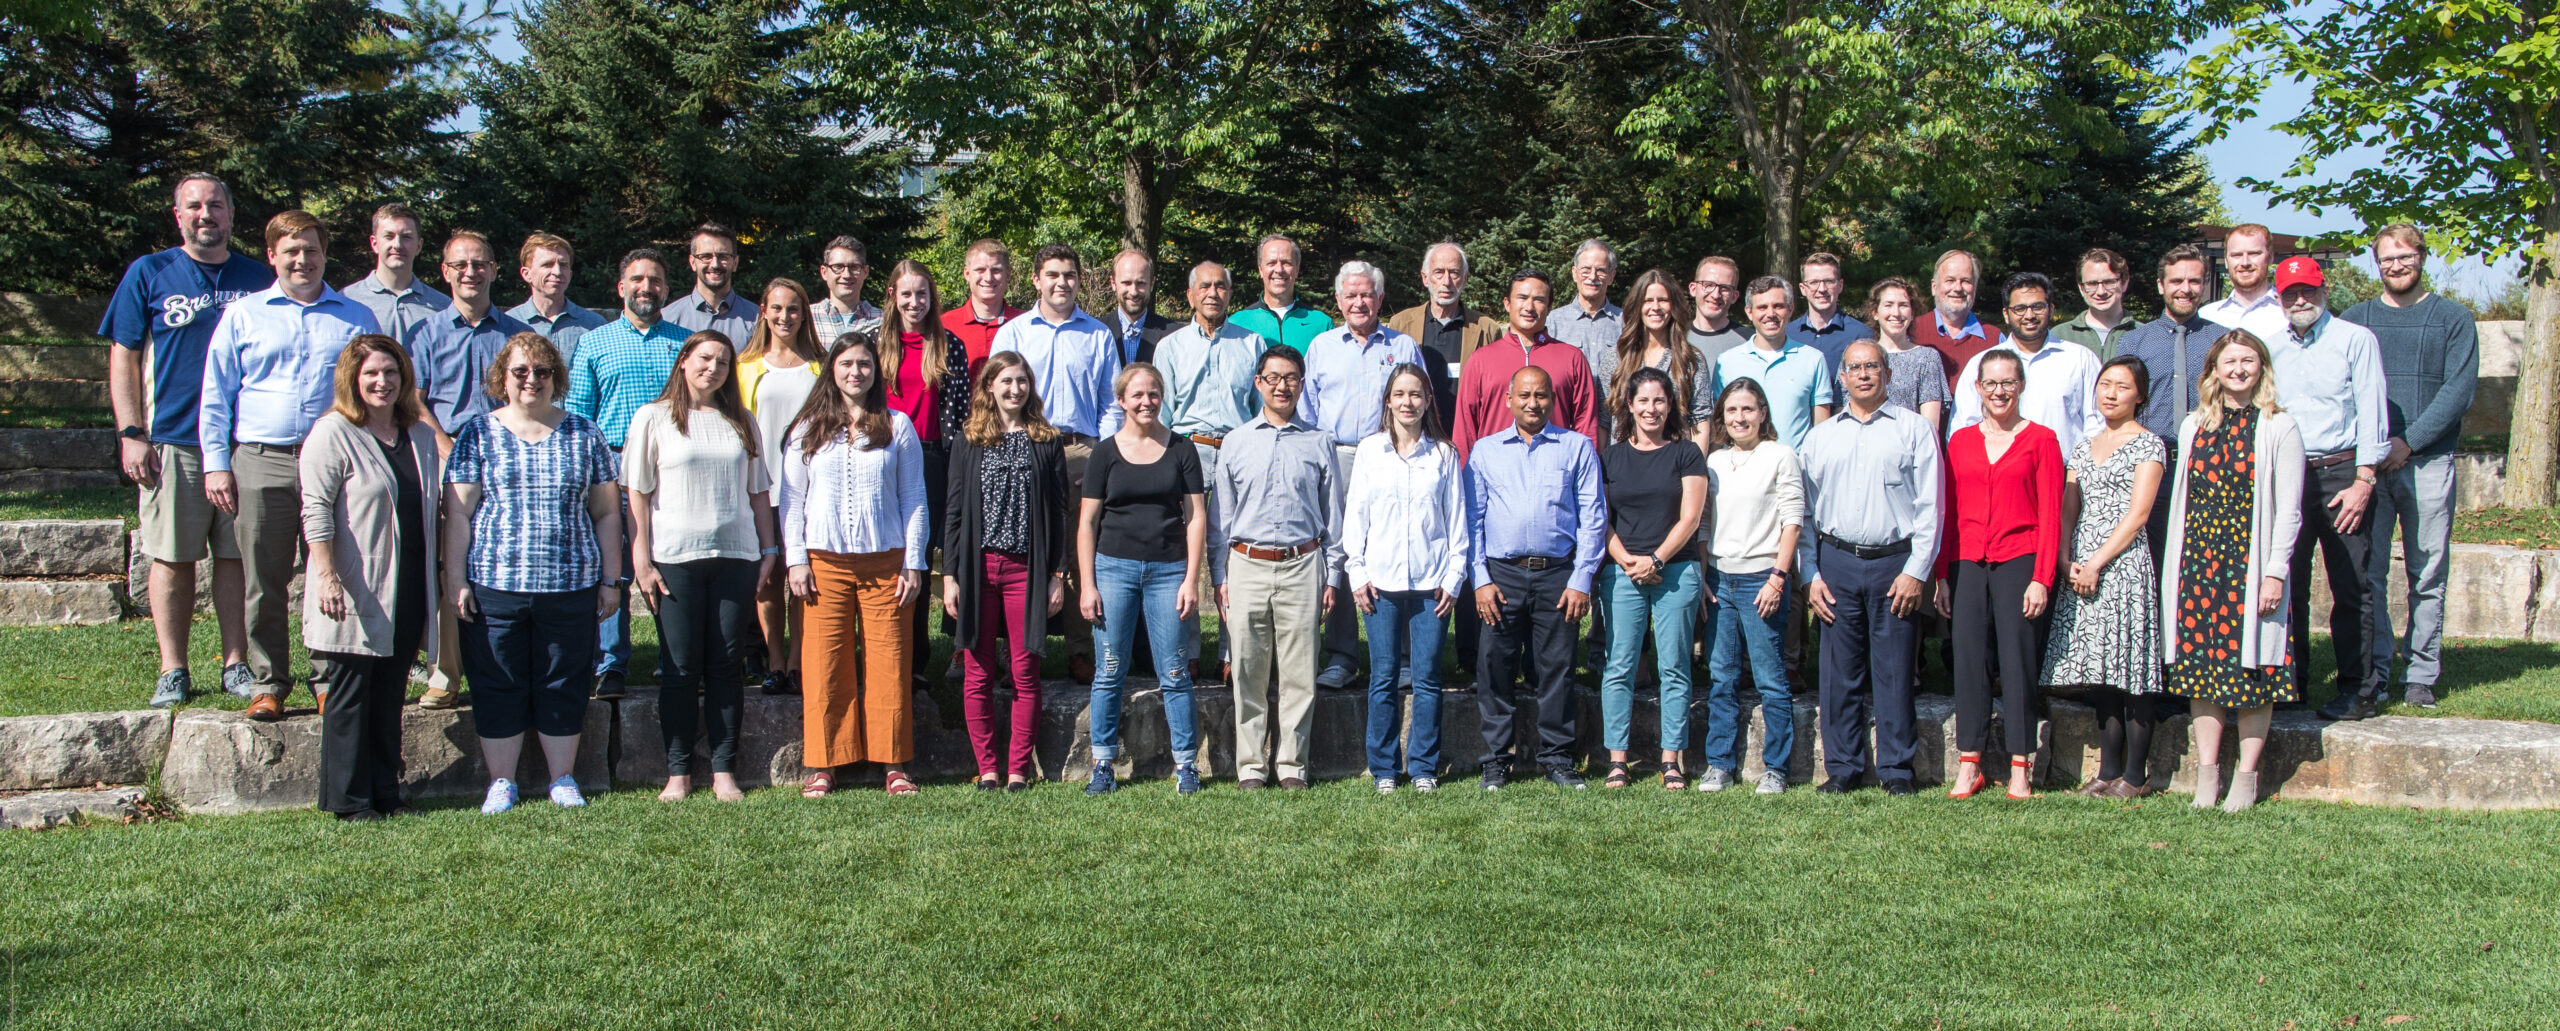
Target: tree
[2121, 179]
[320, 104]
[2462, 100]
[628, 122]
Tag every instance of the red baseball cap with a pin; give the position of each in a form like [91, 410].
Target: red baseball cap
[2297, 271]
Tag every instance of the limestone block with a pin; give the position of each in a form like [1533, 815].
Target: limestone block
[20, 361]
[225, 762]
[60, 602]
[92, 449]
[2546, 597]
[77, 750]
[2490, 591]
[46, 809]
[2390, 760]
[62, 547]
[2479, 481]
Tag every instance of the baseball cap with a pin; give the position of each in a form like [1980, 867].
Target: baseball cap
[2298, 271]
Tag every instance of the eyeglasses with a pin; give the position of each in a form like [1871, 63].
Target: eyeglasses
[1281, 379]
[2001, 384]
[2101, 284]
[843, 267]
[530, 371]
[1822, 282]
[2401, 261]
[470, 266]
[718, 258]
[1862, 367]
[2030, 309]
[1714, 288]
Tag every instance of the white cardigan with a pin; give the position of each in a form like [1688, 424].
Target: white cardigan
[2275, 517]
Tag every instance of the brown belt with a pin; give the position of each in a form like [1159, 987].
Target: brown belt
[1280, 554]
[2334, 458]
[1205, 440]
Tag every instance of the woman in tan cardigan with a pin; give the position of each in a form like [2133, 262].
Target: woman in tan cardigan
[369, 480]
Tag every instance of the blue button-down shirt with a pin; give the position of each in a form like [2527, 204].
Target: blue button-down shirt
[1831, 339]
[1872, 482]
[2330, 380]
[1072, 365]
[398, 312]
[1595, 334]
[271, 369]
[734, 317]
[2173, 391]
[563, 332]
[1347, 379]
[1537, 495]
[1795, 377]
[1208, 386]
[453, 356]
[619, 368]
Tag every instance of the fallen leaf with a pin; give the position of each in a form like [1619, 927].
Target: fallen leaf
[2486, 946]
[2159, 844]
[2398, 1018]
[2350, 1021]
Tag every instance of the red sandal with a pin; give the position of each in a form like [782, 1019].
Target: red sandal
[900, 783]
[818, 784]
[1979, 780]
[2027, 763]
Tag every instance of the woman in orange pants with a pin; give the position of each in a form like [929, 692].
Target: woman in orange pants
[854, 532]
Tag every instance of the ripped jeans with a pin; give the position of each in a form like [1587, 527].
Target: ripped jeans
[1132, 592]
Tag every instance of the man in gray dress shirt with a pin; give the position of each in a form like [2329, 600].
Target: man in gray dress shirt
[1276, 525]
[1872, 489]
[2328, 376]
[1591, 323]
[714, 302]
[546, 264]
[399, 300]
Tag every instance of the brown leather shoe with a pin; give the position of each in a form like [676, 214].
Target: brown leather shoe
[2097, 788]
[1249, 784]
[1294, 783]
[2120, 789]
[437, 698]
[266, 709]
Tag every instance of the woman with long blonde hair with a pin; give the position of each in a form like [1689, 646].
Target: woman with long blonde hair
[777, 368]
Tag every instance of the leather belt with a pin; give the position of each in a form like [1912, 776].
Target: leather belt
[1900, 547]
[1535, 562]
[271, 449]
[2332, 459]
[1205, 440]
[1279, 554]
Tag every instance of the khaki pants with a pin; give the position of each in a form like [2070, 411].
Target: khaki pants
[269, 531]
[1274, 618]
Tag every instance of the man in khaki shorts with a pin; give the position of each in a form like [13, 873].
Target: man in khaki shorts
[162, 313]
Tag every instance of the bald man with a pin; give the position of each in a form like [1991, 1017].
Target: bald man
[1533, 507]
[1133, 310]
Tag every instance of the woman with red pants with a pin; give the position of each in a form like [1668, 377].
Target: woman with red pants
[1005, 550]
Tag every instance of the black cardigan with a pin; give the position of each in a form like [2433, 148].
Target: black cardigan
[1052, 548]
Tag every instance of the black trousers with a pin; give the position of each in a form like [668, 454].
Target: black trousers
[706, 623]
[937, 478]
[1529, 614]
[1990, 626]
[2345, 556]
[1867, 656]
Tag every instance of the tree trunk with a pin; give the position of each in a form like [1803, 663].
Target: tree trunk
[1778, 222]
[1141, 202]
[2533, 440]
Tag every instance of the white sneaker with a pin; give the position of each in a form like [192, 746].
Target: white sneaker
[501, 797]
[1386, 785]
[1714, 778]
[1426, 785]
[1772, 782]
[565, 793]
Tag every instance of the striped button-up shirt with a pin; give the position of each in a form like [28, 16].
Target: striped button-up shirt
[271, 369]
[619, 368]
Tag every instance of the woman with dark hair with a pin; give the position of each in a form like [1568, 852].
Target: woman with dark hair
[776, 370]
[1758, 485]
[2106, 626]
[369, 475]
[1919, 376]
[1655, 336]
[2232, 523]
[2004, 540]
[926, 371]
[532, 549]
[1141, 547]
[853, 531]
[1405, 542]
[1005, 550]
[1655, 481]
[702, 539]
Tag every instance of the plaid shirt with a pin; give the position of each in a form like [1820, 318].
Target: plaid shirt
[618, 368]
[531, 533]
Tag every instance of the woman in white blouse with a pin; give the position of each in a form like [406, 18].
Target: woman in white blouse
[1404, 536]
[702, 541]
[1759, 489]
[777, 368]
[854, 532]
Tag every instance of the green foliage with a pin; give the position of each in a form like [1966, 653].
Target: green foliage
[630, 121]
[2505, 303]
[327, 105]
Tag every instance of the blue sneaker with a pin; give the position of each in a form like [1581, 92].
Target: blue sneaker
[238, 679]
[565, 793]
[1186, 781]
[1104, 781]
[501, 797]
[175, 687]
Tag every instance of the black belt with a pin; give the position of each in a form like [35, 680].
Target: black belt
[1900, 547]
[1535, 562]
[271, 449]
[2332, 459]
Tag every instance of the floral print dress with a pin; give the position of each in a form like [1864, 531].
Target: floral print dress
[2216, 604]
[2112, 637]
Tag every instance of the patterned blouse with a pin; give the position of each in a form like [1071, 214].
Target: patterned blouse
[1004, 490]
[531, 533]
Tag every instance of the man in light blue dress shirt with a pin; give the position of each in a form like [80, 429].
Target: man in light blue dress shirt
[270, 371]
[1534, 510]
[2328, 375]
[1795, 377]
[1873, 480]
[1073, 357]
[545, 263]
[1347, 370]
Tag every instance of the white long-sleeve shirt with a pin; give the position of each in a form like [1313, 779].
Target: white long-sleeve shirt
[849, 501]
[1404, 527]
[1759, 493]
[2061, 392]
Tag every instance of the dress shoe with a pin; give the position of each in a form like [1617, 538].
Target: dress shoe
[610, 687]
[1835, 786]
[1293, 783]
[2349, 705]
[437, 698]
[1249, 784]
[266, 709]
[1563, 776]
[1900, 788]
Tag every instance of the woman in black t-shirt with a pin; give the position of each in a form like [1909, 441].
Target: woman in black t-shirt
[1140, 541]
[1656, 484]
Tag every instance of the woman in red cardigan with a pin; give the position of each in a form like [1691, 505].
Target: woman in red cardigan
[2003, 542]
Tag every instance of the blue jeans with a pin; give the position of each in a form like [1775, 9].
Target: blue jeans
[1404, 633]
[1672, 606]
[1741, 631]
[1134, 591]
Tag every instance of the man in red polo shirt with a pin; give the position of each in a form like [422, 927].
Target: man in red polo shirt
[1484, 384]
[1952, 330]
[988, 271]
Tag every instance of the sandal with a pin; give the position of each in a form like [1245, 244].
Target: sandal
[900, 784]
[1979, 779]
[1673, 779]
[2027, 763]
[818, 784]
[1617, 776]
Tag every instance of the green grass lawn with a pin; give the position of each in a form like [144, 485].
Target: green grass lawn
[51, 417]
[2517, 527]
[1332, 908]
[73, 503]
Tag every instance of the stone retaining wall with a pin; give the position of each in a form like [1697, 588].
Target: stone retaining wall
[61, 572]
[2492, 591]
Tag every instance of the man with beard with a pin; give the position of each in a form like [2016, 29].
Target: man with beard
[2328, 376]
[619, 368]
[714, 303]
[2172, 349]
[2252, 303]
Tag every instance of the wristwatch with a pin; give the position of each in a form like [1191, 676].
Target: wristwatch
[134, 433]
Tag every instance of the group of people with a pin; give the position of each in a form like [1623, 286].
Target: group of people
[2107, 508]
